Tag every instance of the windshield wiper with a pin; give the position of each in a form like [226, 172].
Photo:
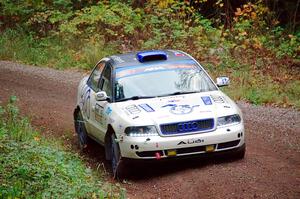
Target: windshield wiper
[135, 98]
[179, 93]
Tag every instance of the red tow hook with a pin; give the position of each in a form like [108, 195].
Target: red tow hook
[157, 155]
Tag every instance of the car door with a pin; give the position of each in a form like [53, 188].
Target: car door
[98, 119]
[88, 96]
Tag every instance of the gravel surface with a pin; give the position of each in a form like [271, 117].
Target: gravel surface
[271, 168]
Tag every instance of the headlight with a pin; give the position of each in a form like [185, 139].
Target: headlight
[229, 119]
[141, 131]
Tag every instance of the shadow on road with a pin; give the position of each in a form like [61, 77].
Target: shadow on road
[136, 170]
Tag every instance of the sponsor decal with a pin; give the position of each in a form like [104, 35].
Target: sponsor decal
[205, 111]
[206, 100]
[141, 69]
[133, 109]
[191, 141]
[146, 107]
[217, 99]
[154, 69]
[179, 55]
[118, 59]
[108, 111]
[135, 117]
[175, 100]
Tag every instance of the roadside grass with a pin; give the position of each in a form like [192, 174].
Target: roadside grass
[261, 89]
[16, 45]
[33, 167]
[258, 78]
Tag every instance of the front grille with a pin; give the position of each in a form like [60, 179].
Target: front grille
[228, 144]
[187, 127]
[191, 150]
[148, 154]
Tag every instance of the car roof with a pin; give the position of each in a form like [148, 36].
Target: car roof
[130, 59]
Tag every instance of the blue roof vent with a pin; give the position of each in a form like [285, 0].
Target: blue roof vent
[151, 55]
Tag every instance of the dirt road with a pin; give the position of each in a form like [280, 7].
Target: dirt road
[271, 168]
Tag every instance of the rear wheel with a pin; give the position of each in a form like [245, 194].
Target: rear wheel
[81, 131]
[115, 157]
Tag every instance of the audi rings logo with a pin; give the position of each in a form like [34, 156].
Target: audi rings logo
[187, 127]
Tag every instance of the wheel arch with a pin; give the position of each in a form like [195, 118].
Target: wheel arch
[107, 138]
[76, 111]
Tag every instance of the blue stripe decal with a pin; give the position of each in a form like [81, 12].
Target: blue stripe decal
[206, 100]
[156, 71]
[146, 107]
[189, 61]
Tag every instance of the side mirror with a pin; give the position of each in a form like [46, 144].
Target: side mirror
[222, 81]
[101, 96]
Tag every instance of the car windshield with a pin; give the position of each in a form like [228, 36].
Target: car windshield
[160, 80]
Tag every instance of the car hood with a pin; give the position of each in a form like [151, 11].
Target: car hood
[170, 109]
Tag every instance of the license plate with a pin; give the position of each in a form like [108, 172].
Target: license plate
[209, 148]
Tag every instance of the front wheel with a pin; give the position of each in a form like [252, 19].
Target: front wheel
[115, 157]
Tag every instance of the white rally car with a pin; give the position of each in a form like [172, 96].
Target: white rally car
[154, 105]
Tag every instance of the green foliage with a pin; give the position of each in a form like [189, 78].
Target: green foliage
[292, 88]
[112, 20]
[288, 47]
[12, 126]
[53, 51]
[32, 167]
[78, 33]
[261, 89]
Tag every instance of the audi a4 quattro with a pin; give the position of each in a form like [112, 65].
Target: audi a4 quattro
[154, 105]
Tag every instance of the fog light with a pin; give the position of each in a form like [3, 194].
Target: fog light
[209, 148]
[171, 152]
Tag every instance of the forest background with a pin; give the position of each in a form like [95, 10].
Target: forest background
[255, 43]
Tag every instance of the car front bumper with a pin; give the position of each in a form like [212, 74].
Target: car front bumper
[157, 147]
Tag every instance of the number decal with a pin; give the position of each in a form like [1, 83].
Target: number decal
[86, 103]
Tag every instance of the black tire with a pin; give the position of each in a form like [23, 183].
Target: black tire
[115, 157]
[81, 131]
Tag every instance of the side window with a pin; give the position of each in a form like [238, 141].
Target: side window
[95, 76]
[105, 82]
